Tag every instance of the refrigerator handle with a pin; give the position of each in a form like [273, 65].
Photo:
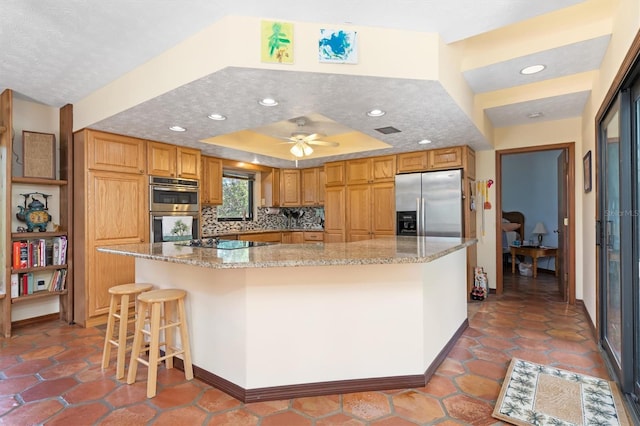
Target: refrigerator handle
[418, 217]
[424, 217]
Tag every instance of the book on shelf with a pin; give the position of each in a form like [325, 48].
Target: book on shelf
[15, 291]
[40, 252]
[58, 280]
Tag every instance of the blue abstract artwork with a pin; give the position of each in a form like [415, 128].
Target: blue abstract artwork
[338, 46]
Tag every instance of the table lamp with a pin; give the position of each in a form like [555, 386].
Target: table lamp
[540, 230]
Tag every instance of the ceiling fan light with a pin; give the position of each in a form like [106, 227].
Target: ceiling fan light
[300, 149]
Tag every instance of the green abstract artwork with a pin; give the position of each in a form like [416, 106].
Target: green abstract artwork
[276, 42]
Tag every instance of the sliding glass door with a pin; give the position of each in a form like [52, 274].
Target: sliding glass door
[618, 172]
[611, 289]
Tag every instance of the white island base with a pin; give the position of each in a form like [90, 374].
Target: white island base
[284, 332]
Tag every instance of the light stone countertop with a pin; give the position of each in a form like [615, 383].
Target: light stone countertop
[392, 250]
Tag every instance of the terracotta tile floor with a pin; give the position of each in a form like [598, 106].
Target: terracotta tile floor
[50, 374]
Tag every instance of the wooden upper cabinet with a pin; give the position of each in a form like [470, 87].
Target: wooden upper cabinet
[445, 158]
[335, 173]
[115, 153]
[162, 159]
[412, 161]
[211, 188]
[188, 163]
[311, 186]
[322, 183]
[270, 188]
[470, 163]
[173, 161]
[290, 191]
[383, 169]
[369, 170]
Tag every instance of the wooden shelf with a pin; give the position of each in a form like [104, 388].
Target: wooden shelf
[37, 295]
[38, 268]
[38, 181]
[36, 235]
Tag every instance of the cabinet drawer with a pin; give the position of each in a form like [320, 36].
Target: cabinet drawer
[314, 236]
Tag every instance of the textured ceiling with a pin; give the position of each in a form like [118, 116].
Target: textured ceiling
[59, 52]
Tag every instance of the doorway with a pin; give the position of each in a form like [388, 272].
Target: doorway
[564, 232]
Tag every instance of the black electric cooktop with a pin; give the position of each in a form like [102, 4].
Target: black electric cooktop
[217, 243]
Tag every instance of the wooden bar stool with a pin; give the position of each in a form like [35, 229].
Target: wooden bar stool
[151, 305]
[121, 296]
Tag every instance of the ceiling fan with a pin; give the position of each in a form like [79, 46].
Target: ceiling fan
[302, 141]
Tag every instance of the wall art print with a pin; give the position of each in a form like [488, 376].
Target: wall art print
[338, 46]
[276, 42]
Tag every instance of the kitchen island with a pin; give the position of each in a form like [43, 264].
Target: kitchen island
[290, 320]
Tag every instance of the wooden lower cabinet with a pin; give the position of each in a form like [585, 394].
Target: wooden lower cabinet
[269, 237]
[111, 208]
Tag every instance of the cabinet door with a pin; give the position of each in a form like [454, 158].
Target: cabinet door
[383, 169]
[322, 183]
[270, 188]
[358, 171]
[162, 159]
[470, 166]
[115, 153]
[359, 216]
[446, 158]
[383, 212]
[334, 213]
[412, 162]
[290, 188]
[269, 237]
[117, 213]
[188, 163]
[297, 237]
[335, 174]
[310, 179]
[211, 180]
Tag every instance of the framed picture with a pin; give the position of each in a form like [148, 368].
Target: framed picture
[586, 161]
[39, 155]
[276, 42]
[338, 46]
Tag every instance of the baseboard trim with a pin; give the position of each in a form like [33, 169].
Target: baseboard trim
[325, 388]
[36, 320]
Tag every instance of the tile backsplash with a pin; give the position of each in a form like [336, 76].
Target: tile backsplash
[266, 218]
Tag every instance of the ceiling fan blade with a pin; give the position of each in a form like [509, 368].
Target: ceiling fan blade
[313, 136]
[323, 143]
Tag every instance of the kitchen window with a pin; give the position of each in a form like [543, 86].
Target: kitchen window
[237, 196]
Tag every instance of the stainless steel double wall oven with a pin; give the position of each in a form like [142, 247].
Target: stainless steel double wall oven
[172, 197]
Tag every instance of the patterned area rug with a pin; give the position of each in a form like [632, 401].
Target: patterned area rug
[534, 394]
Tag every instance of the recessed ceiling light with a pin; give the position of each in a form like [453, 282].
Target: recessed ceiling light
[268, 102]
[424, 142]
[177, 129]
[535, 115]
[376, 113]
[217, 117]
[532, 69]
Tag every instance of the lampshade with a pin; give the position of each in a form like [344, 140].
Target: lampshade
[300, 149]
[539, 229]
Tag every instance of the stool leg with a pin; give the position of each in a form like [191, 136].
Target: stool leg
[138, 338]
[169, 333]
[106, 352]
[154, 350]
[122, 335]
[184, 337]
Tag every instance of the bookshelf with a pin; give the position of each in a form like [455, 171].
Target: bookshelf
[38, 305]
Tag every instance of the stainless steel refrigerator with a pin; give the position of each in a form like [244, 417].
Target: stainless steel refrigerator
[429, 204]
